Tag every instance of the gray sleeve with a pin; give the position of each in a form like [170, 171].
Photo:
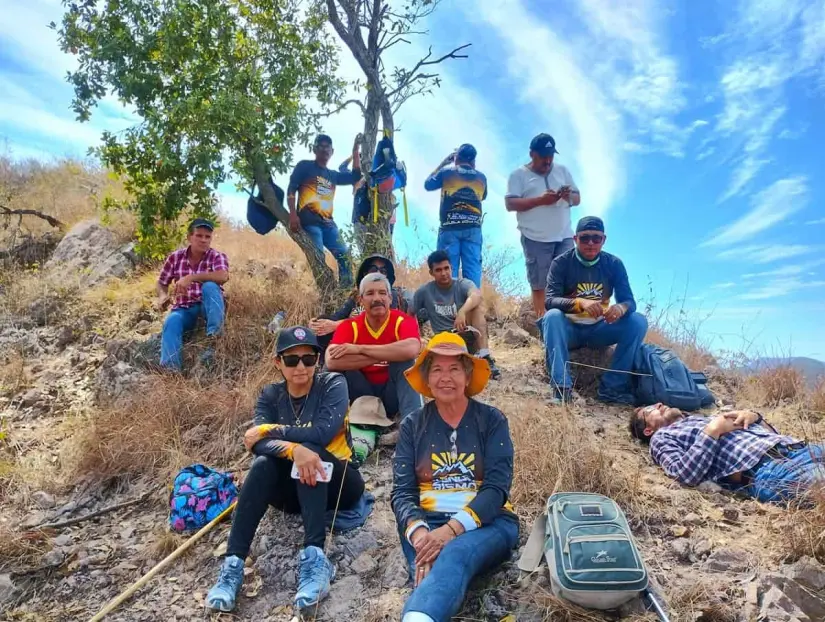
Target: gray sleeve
[515, 185]
[569, 179]
[465, 288]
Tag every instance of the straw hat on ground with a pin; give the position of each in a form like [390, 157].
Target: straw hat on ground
[448, 344]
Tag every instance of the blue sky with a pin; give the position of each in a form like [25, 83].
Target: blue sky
[693, 128]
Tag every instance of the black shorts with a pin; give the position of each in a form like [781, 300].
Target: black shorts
[539, 255]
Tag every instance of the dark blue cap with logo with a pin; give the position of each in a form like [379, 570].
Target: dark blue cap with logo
[466, 153]
[544, 145]
[323, 138]
[296, 336]
[201, 222]
[590, 223]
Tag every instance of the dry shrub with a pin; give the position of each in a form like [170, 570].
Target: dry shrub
[816, 397]
[168, 424]
[692, 353]
[772, 386]
[542, 605]
[554, 452]
[13, 375]
[699, 600]
[800, 531]
[21, 549]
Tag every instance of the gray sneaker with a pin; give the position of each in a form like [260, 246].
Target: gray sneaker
[223, 594]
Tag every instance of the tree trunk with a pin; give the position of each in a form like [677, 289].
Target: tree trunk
[321, 272]
[378, 239]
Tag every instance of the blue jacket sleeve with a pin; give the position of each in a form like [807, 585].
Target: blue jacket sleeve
[345, 177]
[434, 182]
[554, 297]
[345, 311]
[405, 498]
[498, 468]
[298, 174]
[621, 286]
[331, 403]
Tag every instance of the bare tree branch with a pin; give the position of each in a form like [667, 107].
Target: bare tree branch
[406, 77]
[54, 222]
[357, 102]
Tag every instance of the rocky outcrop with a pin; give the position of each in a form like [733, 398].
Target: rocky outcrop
[94, 252]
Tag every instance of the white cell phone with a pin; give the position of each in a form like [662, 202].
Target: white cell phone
[322, 477]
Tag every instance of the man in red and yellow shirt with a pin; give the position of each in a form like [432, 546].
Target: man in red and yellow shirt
[374, 349]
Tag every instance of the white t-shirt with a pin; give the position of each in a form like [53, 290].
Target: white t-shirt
[546, 223]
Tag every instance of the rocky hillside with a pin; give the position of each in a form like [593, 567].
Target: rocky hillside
[91, 435]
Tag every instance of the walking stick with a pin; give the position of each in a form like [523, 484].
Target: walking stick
[116, 602]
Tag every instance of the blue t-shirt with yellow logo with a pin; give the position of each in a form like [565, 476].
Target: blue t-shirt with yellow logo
[463, 188]
[315, 186]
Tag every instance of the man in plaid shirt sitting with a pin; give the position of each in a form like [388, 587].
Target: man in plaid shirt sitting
[738, 450]
[198, 272]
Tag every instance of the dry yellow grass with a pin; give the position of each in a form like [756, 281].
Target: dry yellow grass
[816, 397]
[773, 386]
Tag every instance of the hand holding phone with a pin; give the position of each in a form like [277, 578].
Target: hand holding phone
[326, 476]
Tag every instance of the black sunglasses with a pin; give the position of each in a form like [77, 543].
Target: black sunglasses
[292, 360]
[373, 268]
[591, 239]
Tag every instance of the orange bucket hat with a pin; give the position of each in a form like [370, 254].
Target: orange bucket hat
[448, 344]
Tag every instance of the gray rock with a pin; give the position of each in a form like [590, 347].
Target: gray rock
[777, 607]
[344, 598]
[63, 539]
[692, 519]
[359, 542]
[808, 572]
[681, 549]
[43, 500]
[65, 335]
[31, 397]
[515, 336]
[364, 564]
[53, 558]
[44, 311]
[94, 251]
[728, 560]
[702, 548]
[396, 573]
[8, 589]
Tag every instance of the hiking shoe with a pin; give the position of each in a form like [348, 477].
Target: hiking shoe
[626, 399]
[223, 594]
[315, 573]
[495, 372]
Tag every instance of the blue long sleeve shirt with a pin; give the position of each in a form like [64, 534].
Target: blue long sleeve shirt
[569, 280]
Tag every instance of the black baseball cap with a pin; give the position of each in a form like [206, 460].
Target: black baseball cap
[590, 223]
[466, 153]
[296, 336]
[201, 222]
[322, 138]
[544, 145]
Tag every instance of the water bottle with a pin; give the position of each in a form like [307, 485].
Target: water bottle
[275, 324]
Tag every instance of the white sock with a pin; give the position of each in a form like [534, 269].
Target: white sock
[417, 616]
[483, 352]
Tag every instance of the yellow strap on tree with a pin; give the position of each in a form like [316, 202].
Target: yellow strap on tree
[406, 214]
[375, 204]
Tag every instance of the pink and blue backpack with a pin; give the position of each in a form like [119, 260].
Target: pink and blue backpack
[199, 494]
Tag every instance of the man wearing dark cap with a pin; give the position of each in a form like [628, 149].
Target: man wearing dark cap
[463, 188]
[198, 272]
[541, 194]
[580, 285]
[314, 184]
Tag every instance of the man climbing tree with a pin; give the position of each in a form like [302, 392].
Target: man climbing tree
[369, 28]
[222, 90]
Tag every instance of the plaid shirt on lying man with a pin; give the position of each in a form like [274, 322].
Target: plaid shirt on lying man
[689, 455]
[177, 266]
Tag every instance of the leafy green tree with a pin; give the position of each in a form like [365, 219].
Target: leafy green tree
[369, 28]
[222, 88]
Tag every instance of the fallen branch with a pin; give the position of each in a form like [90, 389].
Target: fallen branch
[110, 508]
[54, 222]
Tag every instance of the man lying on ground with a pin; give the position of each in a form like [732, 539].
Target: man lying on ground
[325, 326]
[453, 304]
[580, 284]
[374, 349]
[299, 424]
[199, 273]
[738, 450]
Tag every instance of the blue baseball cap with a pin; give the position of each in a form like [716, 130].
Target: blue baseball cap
[466, 153]
[544, 145]
[322, 138]
[201, 222]
[296, 336]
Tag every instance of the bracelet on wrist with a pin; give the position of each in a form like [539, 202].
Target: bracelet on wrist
[455, 533]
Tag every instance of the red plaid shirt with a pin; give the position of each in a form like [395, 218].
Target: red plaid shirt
[178, 266]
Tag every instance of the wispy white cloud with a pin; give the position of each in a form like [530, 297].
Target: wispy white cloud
[726, 285]
[770, 206]
[781, 287]
[765, 253]
[817, 221]
[789, 270]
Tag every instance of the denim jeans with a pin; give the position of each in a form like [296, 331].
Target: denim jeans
[441, 594]
[561, 335]
[327, 235]
[782, 479]
[396, 394]
[180, 321]
[464, 247]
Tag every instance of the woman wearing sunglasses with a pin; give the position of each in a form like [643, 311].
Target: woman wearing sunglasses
[301, 441]
[452, 472]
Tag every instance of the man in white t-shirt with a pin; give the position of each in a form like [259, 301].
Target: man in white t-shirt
[541, 194]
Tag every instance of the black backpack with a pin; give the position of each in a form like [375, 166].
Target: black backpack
[668, 380]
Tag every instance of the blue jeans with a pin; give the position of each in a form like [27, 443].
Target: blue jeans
[327, 235]
[180, 321]
[783, 479]
[464, 246]
[442, 592]
[561, 335]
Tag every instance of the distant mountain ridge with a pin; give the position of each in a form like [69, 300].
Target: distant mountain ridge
[811, 369]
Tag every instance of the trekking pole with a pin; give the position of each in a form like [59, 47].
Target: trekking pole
[652, 603]
[117, 601]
